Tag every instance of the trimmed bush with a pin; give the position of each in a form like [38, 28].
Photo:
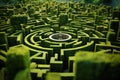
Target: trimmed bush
[96, 66]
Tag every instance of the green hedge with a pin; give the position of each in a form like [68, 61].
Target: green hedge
[96, 66]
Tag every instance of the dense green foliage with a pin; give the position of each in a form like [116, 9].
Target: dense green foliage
[97, 66]
[7, 1]
[12, 1]
[18, 56]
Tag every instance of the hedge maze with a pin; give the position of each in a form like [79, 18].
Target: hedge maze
[91, 52]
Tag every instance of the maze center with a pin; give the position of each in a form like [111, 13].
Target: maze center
[60, 37]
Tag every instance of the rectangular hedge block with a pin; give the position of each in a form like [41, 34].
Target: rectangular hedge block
[53, 76]
[17, 61]
[67, 76]
[43, 66]
[16, 20]
[56, 66]
[70, 63]
[3, 38]
[96, 66]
